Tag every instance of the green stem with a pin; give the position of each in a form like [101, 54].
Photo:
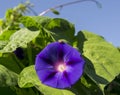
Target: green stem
[29, 53]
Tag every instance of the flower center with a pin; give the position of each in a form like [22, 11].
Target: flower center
[61, 67]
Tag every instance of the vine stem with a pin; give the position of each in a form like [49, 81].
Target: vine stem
[69, 3]
[29, 52]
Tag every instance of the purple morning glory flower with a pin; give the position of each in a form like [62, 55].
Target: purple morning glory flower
[59, 65]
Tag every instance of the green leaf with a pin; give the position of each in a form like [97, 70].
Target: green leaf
[6, 34]
[42, 20]
[10, 61]
[25, 91]
[1, 23]
[102, 58]
[30, 23]
[85, 86]
[118, 49]
[58, 28]
[55, 11]
[6, 91]
[15, 90]
[37, 23]
[28, 78]
[20, 39]
[45, 36]
[7, 77]
[61, 29]
[8, 14]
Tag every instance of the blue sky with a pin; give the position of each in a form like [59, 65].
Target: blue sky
[104, 21]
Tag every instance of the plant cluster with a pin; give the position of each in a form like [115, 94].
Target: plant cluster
[22, 38]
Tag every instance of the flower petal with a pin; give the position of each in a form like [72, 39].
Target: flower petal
[50, 53]
[63, 80]
[46, 74]
[71, 55]
[42, 64]
[58, 80]
[75, 72]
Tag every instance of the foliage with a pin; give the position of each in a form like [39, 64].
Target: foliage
[32, 34]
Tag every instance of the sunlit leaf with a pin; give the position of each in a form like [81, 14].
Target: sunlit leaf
[2, 44]
[102, 58]
[20, 39]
